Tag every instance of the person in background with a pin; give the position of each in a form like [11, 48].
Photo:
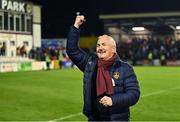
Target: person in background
[60, 58]
[48, 60]
[110, 85]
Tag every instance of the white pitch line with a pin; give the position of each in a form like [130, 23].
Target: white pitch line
[160, 91]
[146, 95]
[66, 117]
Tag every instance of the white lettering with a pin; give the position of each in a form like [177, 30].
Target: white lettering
[21, 7]
[4, 4]
[13, 5]
[10, 6]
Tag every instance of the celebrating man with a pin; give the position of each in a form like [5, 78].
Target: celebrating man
[110, 85]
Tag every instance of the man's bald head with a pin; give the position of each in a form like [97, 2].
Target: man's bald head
[106, 47]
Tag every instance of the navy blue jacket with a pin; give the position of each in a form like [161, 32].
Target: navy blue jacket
[126, 89]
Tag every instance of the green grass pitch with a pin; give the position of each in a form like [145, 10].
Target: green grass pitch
[57, 95]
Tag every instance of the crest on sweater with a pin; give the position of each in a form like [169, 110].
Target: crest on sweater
[116, 75]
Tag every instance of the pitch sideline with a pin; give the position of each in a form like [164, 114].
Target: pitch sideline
[146, 95]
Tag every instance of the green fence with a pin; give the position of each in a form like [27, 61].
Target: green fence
[25, 66]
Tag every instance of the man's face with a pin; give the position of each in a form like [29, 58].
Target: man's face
[104, 48]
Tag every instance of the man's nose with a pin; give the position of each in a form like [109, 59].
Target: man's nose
[100, 47]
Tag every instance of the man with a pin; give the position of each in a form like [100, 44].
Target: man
[110, 85]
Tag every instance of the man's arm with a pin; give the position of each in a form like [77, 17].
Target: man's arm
[78, 56]
[132, 91]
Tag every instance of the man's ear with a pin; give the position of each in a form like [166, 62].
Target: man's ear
[114, 49]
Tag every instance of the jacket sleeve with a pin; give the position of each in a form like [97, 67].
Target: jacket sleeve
[78, 56]
[131, 90]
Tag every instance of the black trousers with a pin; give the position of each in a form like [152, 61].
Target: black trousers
[106, 118]
[99, 118]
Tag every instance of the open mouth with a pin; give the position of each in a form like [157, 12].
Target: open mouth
[101, 51]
